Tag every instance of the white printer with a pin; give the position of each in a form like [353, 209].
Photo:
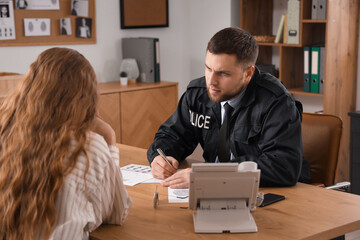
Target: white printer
[223, 195]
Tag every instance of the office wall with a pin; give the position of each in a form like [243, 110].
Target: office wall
[182, 45]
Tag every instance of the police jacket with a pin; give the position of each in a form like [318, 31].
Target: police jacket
[265, 128]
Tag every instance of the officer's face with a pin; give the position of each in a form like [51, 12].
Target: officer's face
[225, 77]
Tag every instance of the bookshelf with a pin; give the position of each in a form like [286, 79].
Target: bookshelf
[339, 34]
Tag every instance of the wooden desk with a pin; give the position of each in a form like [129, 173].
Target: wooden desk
[308, 212]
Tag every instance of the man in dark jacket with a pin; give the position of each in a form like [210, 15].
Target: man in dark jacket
[264, 125]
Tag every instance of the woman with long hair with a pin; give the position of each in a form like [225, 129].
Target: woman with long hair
[59, 168]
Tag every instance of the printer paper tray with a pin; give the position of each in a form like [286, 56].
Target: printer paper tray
[224, 221]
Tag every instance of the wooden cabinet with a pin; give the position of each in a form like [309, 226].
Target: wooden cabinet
[137, 110]
[339, 33]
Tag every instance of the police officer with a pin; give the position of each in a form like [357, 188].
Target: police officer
[264, 126]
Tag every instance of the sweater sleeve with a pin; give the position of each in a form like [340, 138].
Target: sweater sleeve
[116, 201]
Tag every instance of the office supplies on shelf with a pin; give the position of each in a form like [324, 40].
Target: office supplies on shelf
[321, 9]
[223, 194]
[264, 38]
[129, 65]
[285, 29]
[318, 9]
[147, 53]
[307, 68]
[314, 9]
[293, 21]
[322, 69]
[315, 63]
[280, 31]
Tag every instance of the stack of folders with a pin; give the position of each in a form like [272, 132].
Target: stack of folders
[318, 10]
[314, 63]
[146, 51]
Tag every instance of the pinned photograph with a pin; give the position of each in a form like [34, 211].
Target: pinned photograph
[21, 4]
[38, 4]
[37, 26]
[80, 8]
[83, 27]
[7, 22]
[4, 11]
[65, 26]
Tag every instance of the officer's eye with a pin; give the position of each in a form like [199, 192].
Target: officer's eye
[223, 74]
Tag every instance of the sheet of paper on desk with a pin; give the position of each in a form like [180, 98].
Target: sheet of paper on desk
[178, 195]
[134, 174]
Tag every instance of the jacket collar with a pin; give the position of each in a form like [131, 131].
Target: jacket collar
[249, 95]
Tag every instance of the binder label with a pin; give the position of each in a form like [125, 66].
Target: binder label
[314, 62]
[306, 61]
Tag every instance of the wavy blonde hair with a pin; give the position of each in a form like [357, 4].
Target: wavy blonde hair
[54, 104]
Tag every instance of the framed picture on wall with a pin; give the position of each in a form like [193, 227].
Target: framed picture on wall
[144, 13]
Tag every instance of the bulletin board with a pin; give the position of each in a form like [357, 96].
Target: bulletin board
[55, 37]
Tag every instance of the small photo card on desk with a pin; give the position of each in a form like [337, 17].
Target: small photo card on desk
[180, 195]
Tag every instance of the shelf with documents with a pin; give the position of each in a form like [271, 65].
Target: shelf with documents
[338, 32]
[311, 32]
[300, 91]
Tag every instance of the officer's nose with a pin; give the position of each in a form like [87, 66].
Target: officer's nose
[212, 79]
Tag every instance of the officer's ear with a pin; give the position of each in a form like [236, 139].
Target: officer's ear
[249, 72]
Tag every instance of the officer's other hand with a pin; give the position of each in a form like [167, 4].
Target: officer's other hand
[160, 168]
[181, 179]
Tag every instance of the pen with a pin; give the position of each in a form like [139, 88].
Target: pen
[164, 157]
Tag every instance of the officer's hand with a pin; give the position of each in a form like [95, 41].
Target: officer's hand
[160, 168]
[181, 179]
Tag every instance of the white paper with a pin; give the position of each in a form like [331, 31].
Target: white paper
[38, 4]
[135, 173]
[153, 180]
[37, 26]
[178, 195]
[7, 23]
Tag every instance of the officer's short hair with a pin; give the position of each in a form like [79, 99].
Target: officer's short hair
[234, 40]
